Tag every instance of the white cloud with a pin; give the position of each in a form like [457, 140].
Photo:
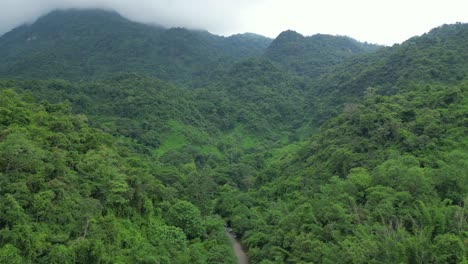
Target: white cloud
[377, 21]
[215, 15]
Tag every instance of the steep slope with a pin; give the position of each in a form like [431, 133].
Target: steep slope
[253, 108]
[129, 105]
[73, 194]
[382, 181]
[440, 56]
[90, 44]
[314, 55]
[255, 93]
[385, 180]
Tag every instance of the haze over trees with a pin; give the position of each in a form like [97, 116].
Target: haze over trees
[127, 143]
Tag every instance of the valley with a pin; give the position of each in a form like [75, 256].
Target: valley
[123, 142]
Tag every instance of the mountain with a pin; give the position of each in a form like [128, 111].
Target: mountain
[91, 44]
[439, 56]
[384, 180]
[80, 188]
[314, 55]
[95, 44]
[129, 105]
[313, 149]
[263, 98]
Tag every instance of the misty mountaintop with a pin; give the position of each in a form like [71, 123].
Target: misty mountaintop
[122, 142]
[94, 43]
[98, 43]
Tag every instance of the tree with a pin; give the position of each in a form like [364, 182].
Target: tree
[185, 215]
[448, 248]
[10, 255]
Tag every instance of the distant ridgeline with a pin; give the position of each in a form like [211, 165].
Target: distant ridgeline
[83, 45]
[315, 55]
[128, 143]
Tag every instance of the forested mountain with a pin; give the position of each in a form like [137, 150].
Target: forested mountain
[313, 149]
[385, 181]
[260, 96]
[77, 44]
[130, 105]
[74, 194]
[314, 55]
[439, 56]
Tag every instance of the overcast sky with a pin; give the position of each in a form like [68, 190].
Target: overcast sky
[376, 21]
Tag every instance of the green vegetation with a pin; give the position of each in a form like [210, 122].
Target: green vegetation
[73, 194]
[315, 55]
[94, 44]
[313, 149]
[386, 181]
[439, 56]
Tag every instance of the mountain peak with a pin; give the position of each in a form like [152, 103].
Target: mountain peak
[313, 55]
[100, 43]
[289, 35]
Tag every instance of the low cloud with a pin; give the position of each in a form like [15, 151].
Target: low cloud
[382, 21]
[217, 16]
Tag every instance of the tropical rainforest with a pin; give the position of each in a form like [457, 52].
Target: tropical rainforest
[128, 143]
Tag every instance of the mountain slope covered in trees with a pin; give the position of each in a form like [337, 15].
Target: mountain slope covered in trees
[93, 44]
[385, 180]
[74, 194]
[313, 149]
[314, 55]
[439, 56]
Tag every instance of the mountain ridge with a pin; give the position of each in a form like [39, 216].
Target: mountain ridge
[314, 55]
[96, 43]
[99, 43]
[320, 154]
[391, 70]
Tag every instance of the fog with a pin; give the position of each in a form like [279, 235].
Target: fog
[375, 21]
[218, 16]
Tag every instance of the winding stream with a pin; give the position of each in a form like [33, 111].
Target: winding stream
[240, 254]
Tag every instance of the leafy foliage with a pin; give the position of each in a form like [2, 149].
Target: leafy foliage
[108, 167]
[73, 194]
[315, 55]
[373, 185]
[439, 56]
[73, 44]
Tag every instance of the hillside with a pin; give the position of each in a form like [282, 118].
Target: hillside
[385, 179]
[74, 194]
[314, 55]
[260, 96]
[439, 56]
[315, 149]
[93, 44]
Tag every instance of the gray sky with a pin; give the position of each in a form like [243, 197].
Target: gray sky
[376, 21]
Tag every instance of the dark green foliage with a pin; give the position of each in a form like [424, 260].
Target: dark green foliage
[314, 55]
[132, 105]
[73, 194]
[92, 44]
[383, 182]
[439, 56]
[257, 95]
[124, 168]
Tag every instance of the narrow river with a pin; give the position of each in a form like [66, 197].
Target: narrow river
[240, 254]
